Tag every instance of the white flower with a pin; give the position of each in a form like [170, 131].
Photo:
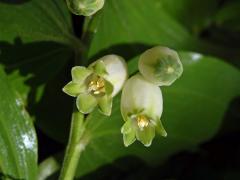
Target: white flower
[160, 65]
[97, 84]
[141, 108]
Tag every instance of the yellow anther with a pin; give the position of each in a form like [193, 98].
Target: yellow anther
[97, 86]
[142, 121]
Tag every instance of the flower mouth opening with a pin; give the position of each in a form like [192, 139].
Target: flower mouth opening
[96, 85]
[142, 121]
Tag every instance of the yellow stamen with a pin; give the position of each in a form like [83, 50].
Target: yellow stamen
[142, 121]
[97, 86]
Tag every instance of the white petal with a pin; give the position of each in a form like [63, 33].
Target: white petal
[139, 94]
[116, 71]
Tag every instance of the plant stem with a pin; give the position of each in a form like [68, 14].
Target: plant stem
[74, 148]
[76, 141]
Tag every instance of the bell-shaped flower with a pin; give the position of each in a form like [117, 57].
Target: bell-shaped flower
[160, 65]
[85, 7]
[97, 84]
[141, 108]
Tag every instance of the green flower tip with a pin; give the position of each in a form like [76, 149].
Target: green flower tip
[97, 84]
[85, 7]
[160, 65]
[141, 108]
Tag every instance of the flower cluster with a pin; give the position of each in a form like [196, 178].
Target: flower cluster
[141, 100]
[142, 103]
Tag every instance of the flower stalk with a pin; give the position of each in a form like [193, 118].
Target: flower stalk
[76, 145]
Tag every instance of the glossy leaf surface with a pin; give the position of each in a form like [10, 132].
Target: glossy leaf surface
[35, 48]
[18, 141]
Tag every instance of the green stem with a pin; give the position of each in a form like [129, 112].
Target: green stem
[76, 142]
[74, 148]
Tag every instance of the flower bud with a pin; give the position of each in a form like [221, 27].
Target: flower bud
[141, 108]
[160, 65]
[85, 7]
[97, 84]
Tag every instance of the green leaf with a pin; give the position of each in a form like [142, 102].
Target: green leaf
[35, 48]
[194, 107]
[121, 28]
[30, 48]
[120, 25]
[18, 141]
[228, 16]
[46, 20]
[194, 15]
